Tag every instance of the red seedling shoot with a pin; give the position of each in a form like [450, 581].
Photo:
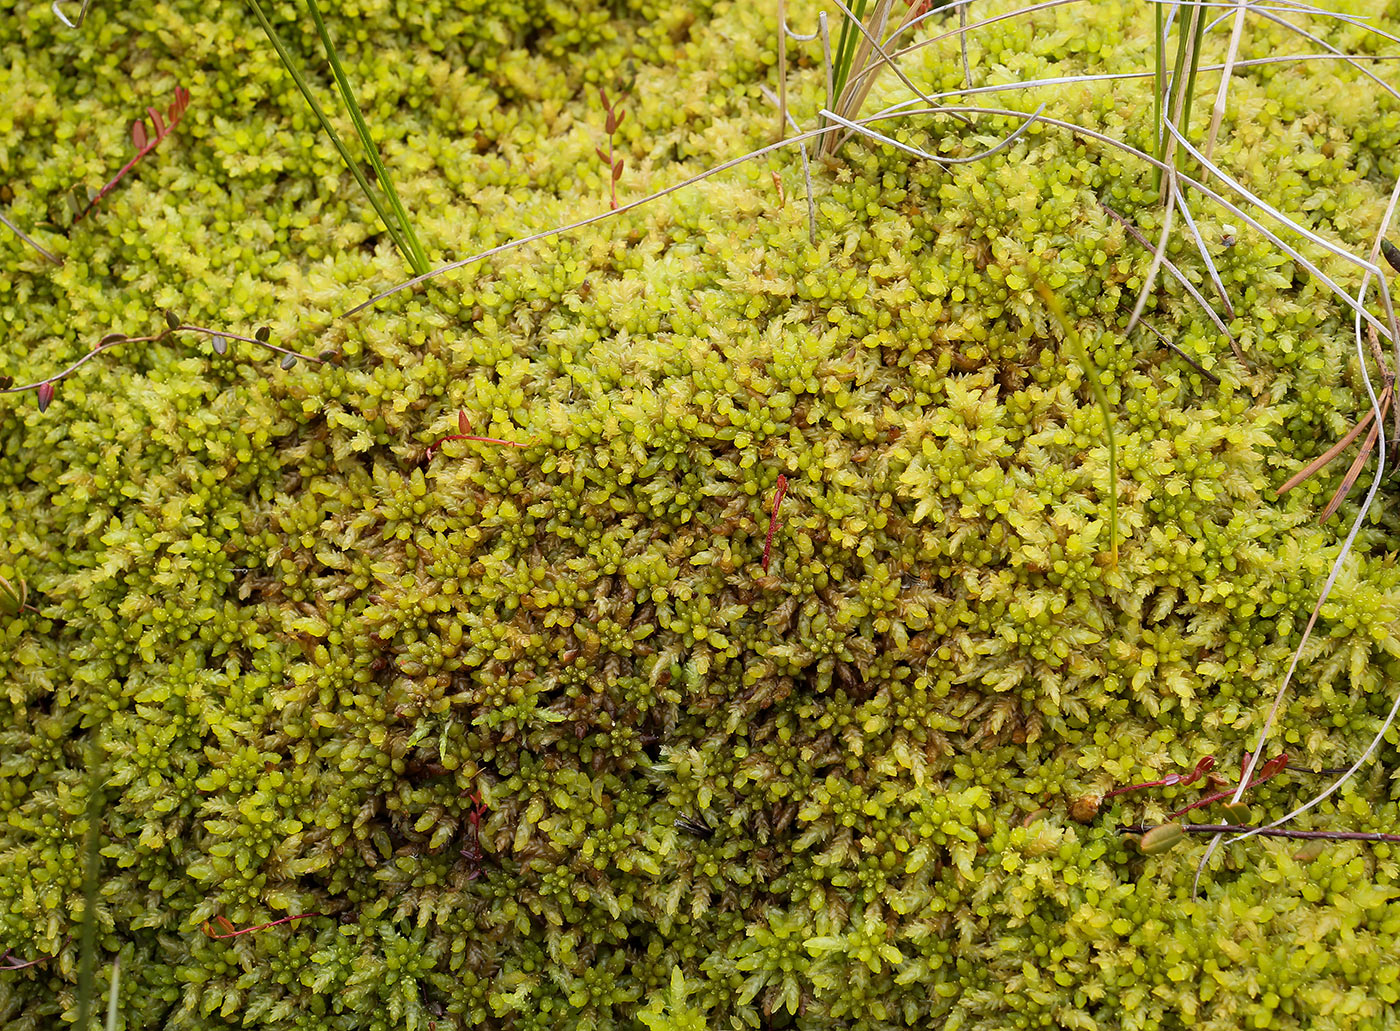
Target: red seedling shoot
[773, 520]
[1271, 768]
[1201, 769]
[144, 141]
[472, 852]
[613, 123]
[465, 426]
[231, 933]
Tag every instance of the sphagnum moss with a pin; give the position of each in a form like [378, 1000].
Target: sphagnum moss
[532, 727]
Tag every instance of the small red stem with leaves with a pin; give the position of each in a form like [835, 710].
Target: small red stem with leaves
[231, 933]
[1272, 768]
[773, 520]
[464, 424]
[144, 142]
[1201, 769]
[614, 122]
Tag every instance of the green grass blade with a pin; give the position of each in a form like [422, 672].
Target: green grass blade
[1193, 63]
[112, 994]
[417, 258]
[1159, 83]
[1091, 373]
[846, 46]
[319, 112]
[87, 954]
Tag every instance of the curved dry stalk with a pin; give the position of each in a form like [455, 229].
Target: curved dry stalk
[30, 240]
[1205, 256]
[916, 152]
[1159, 252]
[1370, 267]
[806, 172]
[1332, 575]
[1349, 59]
[112, 340]
[1167, 263]
[1220, 97]
[1068, 80]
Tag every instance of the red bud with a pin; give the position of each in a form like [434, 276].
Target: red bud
[462, 423]
[45, 395]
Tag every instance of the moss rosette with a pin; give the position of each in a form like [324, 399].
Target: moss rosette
[709, 796]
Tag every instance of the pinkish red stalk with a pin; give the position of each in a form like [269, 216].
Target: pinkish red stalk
[1272, 768]
[464, 425]
[259, 927]
[1201, 769]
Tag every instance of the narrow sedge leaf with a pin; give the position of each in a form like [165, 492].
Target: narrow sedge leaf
[45, 396]
[1161, 839]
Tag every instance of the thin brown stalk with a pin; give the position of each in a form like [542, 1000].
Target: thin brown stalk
[1336, 449]
[1349, 480]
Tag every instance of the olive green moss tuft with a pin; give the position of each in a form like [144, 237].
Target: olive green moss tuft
[530, 727]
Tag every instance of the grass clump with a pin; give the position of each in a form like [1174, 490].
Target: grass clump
[680, 623]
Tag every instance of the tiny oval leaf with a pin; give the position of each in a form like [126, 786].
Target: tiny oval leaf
[262, 334]
[288, 361]
[171, 320]
[1392, 254]
[1161, 839]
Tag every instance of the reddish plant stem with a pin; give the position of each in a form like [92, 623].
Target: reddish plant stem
[1203, 766]
[1272, 768]
[464, 426]
[162, 130]
[773, 520]
[259, 927]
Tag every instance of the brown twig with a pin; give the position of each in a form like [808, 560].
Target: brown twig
[1354, 470]
[1269, 832]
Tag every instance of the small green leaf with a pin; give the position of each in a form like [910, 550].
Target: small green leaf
[1161, 839]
